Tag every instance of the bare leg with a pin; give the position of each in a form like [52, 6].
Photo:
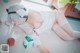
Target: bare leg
[66, 26]
[61, 33]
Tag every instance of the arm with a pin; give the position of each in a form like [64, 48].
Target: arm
[40, 46]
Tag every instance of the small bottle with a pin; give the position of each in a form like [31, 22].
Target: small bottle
[11, 39]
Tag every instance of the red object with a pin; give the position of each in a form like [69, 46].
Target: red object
[11, 41]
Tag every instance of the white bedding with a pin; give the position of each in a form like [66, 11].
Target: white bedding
[47, 36]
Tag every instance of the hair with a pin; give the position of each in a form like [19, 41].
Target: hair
[12, 14]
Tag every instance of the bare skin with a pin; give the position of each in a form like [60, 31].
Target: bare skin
[35, 20]
[43, 49]
[61, 31]
[65, 31]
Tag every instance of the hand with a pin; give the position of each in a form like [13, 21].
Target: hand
[43, 49]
